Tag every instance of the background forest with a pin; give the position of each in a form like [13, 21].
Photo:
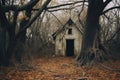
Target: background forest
[26, 28]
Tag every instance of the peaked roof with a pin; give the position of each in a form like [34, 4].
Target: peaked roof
[69, 22]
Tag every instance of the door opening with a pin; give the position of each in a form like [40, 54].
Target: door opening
[70, 47]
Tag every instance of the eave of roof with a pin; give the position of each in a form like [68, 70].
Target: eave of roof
[63, 28]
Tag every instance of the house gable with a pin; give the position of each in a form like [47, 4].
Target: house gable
[67, 28]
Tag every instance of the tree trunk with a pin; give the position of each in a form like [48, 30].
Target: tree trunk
[3, 30]
[11, 43]
[88, 51]
[21, 41]
[2, 46]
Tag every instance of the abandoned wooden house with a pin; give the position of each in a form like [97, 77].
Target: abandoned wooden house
[68, 39]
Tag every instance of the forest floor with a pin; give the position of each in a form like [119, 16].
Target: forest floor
[57, 68]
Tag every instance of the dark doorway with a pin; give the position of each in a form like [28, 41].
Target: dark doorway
[69, 47]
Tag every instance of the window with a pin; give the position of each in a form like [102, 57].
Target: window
[69, 31]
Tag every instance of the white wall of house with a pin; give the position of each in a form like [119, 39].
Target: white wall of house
[60, 41]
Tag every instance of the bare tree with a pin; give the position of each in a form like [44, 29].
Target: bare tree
[91, 42]
[10, 26]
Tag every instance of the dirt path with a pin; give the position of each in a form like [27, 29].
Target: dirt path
[57, 68]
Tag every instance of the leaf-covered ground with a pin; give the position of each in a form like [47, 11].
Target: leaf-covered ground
[58, 68]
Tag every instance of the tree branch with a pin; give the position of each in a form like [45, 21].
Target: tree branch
[7, 8]
[80, 15]
[118, 30]
[55, 17]
[106, 3]
[116, 7]
[30, 4]
[53, 10]
[44, 6]
[61, 5]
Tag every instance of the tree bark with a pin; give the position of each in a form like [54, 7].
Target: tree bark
[88, 51]
[2, 46]
[20, 41]
[3, 30]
